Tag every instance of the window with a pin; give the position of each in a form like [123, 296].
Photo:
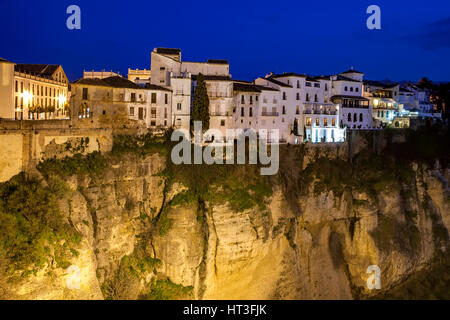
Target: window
[153, 97]
[297, 110]
[179, 106]
[153, 123]
[165, 112]
[153, 113]
[351, 89]
[17, 86]
[242, 112]
[222, 123]
[307, 97]
[346, 89]
[256, 98]
[317, 122]
[316, 99]
[250, 112]
[325, 100]
[251, 99]
[242, 99]
[357, 89]
[326, 86]
[284, 110]
[17, 101]
[166, 99]
[298, 84]
[308, 84]
[349, 118]
[21, 87]
[85, 93]
[308, 122]
[355, 117]
[333, 122]
[298, 96]
[325, 122]
[284, 95]
[316, 85]
[133, 97]
[361, 117]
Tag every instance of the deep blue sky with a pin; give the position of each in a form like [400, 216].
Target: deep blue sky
[314, 37]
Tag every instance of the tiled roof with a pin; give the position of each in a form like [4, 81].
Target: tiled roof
[245, 87]
[4, 60]
[344, 78]
[288, 74]
[41, 70]
[168, 50]
[263, 88]
[352, 71]
[380, 84]
[281, 84]
[116, 82]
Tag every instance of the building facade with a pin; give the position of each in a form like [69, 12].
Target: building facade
[383, 98]
[115, 101]
[347, 92]
[33, 91]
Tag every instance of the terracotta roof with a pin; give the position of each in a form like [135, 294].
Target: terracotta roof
[281, 84]
[117, 82]
[245, 87]
[344, 78]
[41, 70]
[168, 51]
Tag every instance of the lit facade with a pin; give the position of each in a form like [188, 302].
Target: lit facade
[33, 91]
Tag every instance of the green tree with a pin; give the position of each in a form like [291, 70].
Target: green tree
[200, 108]
[295, 128]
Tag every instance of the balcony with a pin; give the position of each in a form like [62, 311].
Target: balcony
[220, 114]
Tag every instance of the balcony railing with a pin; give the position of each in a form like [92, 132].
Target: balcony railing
[220, 114]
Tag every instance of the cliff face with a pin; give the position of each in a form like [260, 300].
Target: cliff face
[147, 234]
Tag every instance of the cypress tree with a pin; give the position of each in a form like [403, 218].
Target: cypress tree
[295, 129]
[200, 105]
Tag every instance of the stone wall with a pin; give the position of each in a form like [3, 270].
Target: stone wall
[24, 143]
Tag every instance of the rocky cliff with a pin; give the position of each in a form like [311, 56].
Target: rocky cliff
[151, 230]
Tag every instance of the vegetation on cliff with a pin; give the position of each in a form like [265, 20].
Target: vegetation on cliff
[33, 231]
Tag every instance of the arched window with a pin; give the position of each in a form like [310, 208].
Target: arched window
[361, 117]
[355, 117]
[346, 88]
[349, 117]
[382, 114]
[351, 89]
[357, 89]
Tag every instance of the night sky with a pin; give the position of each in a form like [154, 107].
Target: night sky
[314, 37]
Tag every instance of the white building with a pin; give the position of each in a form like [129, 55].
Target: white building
[305, 100]
[383, 100]
[168, 70]
[33, 91]
[347, 92]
